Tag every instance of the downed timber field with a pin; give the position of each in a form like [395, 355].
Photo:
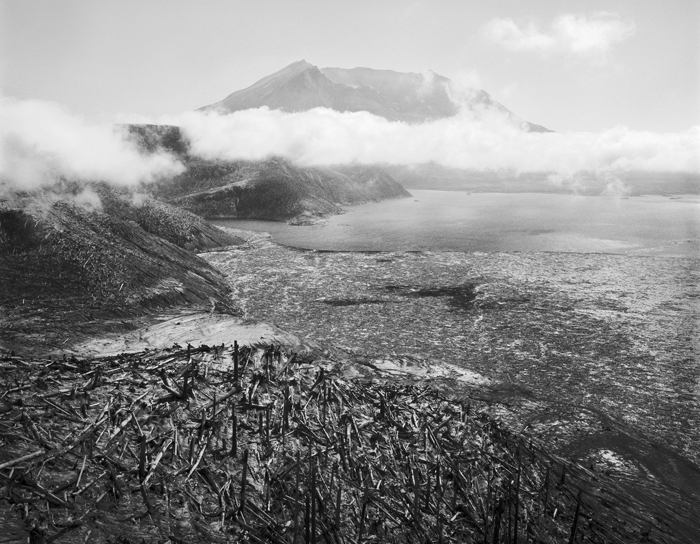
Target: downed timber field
[598, 355]
[613, 335]
[452, 373]
[221, 444]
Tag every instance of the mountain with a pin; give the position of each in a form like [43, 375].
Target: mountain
[396, 96]
[273, 189]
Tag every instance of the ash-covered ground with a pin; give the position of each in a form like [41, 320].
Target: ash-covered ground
[593, 357]
[597, 354]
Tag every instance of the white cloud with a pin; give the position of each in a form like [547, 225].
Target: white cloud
[508, 34]
[41, 142]
[574, 33]
[482, 139]
[596, 34]
[428, 83]
[463, 81]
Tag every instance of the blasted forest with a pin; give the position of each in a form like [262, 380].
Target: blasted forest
[212, 353]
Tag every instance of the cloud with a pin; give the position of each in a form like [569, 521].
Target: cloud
[595, 34]
[480, 138]
[464, 83]
[574, 33]
[40, 143]
[427, 85]
[507, 33]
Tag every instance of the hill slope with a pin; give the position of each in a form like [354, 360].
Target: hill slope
[76, 268]
[274, 189]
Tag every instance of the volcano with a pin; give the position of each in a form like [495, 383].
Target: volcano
[396, 96]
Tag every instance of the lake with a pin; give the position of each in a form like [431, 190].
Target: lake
[495, 222]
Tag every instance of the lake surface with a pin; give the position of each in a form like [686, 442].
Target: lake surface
[494, 222]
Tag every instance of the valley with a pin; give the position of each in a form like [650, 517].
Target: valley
[353, 353]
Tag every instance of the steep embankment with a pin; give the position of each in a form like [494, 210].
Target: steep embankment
[274, 189]
[68, 268]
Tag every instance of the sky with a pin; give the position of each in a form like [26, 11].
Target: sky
[617, 82]
[573, 66]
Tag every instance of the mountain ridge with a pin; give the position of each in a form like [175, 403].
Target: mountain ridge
[397, 96]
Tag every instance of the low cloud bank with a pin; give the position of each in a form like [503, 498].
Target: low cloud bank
[482, 139]
[41, 143]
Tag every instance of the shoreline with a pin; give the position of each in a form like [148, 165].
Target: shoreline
[428, 252]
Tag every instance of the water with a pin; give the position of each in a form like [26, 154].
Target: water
[493, 222]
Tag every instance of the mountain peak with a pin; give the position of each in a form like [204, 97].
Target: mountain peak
[396, 96]
[285, 73]
[294, 68]
[301, 63]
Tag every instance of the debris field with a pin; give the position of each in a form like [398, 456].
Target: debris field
[259, 444]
